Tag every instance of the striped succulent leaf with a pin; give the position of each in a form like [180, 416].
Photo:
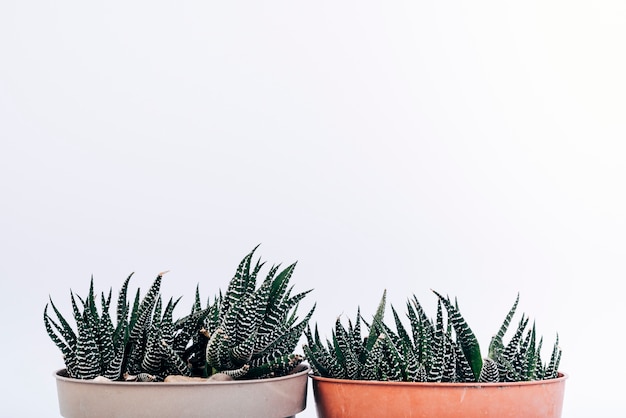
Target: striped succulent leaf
[438, 349]
[280, 302]
[489, 372]
[401, 330]
[66, 346]
[496, 347]
[238, 285]
[122, 303]
[374, 358]
[197, 304]
[390, 369]
[286, 342]
[113, 370]
[280, 282]
[177, 364]
[242, 352]
[65, 329]
[530, 360]
[141, 316]
[87, 350]
[251, 313]
[513, 345]
[146, 377]
[450, 373]
[422, 333]
[540, 368]
[355, 334]
[467, 339]
[217, 349]
[553, 366]
[104, 333]
[273, 365]
[464, 371]
[237, 373]
[167, 323]
[154, 353]
[376, 326]
[394, 359]
[413, 369]
[345, 352]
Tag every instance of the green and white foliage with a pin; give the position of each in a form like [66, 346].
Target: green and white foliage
[144, 344]
[254, 331]
[246, 333]
[441, 350]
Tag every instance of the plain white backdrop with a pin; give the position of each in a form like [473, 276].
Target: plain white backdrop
[475, 148]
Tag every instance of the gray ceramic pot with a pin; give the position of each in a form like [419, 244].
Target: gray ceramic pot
[263, 398]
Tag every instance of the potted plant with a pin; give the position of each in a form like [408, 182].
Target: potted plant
[433, 368]
[232, 358]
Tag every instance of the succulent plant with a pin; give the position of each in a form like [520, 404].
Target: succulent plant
[246, 333]
[134, 347]
[254, 331]
[440, 350]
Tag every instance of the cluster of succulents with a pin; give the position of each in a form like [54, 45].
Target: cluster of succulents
[440, 350]
[248, 332]
[252, 332]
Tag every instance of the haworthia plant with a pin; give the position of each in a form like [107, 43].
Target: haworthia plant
[440, 350]
[135, 348]
[256, 330]
[245, 333]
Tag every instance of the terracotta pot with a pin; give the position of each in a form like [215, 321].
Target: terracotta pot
[262, 398]
[338, 398]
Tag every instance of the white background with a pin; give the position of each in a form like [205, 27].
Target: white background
[475, 148]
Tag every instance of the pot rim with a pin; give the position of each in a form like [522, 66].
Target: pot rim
[61, 375]
[561, 378]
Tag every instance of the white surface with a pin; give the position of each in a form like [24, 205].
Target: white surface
[474, 148]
